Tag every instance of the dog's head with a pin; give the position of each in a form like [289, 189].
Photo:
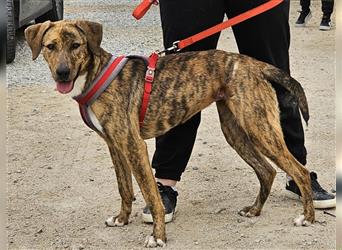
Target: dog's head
[67, 46]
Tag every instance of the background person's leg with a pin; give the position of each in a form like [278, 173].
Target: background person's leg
[327, 9]
[305, 13]
[305, 4]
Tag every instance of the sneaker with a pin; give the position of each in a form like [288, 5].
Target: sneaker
[303, 18]
[325, 23]
[321, 198]
[169, 199]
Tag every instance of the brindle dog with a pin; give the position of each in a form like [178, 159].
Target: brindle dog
[184, 84]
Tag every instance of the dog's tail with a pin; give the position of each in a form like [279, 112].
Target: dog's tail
[282, 78]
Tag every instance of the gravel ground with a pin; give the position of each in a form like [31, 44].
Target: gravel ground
[61, 185]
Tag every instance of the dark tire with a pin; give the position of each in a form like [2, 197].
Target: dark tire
[55, 14]
[11, 39]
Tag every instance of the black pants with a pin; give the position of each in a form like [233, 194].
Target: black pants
[327, 6]
[265, 37]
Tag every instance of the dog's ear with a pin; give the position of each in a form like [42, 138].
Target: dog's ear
[93, 32]
[34, 35]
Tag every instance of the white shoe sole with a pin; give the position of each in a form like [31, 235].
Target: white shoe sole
[324, 27]
[317, 204]
[147, 218]
[306, 20]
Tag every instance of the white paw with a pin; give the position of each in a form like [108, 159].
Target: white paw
[151, 242]
[300, 221]
[111, 222]
[244, 214]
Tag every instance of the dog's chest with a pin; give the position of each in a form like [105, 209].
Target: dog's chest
[78, 85]
[77, 90]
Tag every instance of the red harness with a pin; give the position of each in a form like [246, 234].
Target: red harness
[115, 66]
[149, 77]
[107, 75]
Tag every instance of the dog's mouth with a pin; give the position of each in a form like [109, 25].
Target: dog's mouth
[65, 87]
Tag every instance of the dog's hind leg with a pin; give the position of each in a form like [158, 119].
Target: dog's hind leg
[124, 179]
[285, 160]
[270, 140]
[255, 108]
[238, 139]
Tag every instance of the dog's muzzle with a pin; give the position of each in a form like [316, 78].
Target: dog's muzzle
[63, 73]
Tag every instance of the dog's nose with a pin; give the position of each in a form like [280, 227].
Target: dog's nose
[63, 72]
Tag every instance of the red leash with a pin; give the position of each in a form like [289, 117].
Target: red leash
[142, 8]
[231, 22]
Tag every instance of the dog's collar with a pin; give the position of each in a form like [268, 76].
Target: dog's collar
[100, 84]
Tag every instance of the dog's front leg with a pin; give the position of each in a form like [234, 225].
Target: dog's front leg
[137, 158]
[124, 179]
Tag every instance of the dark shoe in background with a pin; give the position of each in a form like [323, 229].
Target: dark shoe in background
[303, 18]
[325, 23]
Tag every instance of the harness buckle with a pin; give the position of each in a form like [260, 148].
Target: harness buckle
[149, 76]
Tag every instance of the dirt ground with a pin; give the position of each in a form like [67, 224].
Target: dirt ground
[62, 186]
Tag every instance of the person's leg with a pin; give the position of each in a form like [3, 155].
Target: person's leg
[305, 13]
[181, 19]
[305, 5]
[173, 151]
[269, 41]
[327, 9]
[267, 38]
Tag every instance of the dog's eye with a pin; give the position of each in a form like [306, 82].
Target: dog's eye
[51, 46]
[75, 45]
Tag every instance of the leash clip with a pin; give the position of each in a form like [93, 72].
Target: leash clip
[173, 48]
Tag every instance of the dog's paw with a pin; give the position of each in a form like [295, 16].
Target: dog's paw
[152, 242]
[301, 221]
[249, 212]
[114, 222]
